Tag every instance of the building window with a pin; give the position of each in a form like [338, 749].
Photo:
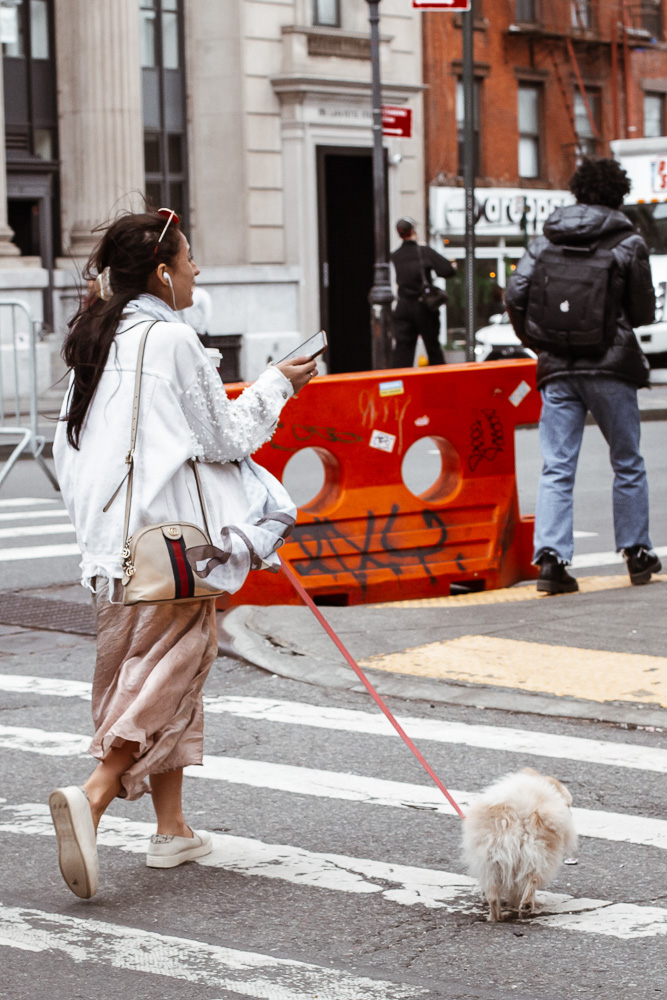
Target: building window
[327, 13]
[31, 129]
[526, 12]
[460, 122]
[31, 116]
[654, 115]
[651, 17]
[582, 14]
[162, 61]
[529, 131]
[587, 143]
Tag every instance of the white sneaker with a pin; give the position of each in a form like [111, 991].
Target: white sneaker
[165, 851]
[75, 832]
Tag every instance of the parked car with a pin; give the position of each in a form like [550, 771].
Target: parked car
[653, 342]
[498, 341]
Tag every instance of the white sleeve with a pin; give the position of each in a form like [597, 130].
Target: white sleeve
[226, 430]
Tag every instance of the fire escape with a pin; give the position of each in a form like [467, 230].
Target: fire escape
[563, 33]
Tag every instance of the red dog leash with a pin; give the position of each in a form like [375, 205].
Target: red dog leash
[306, 598]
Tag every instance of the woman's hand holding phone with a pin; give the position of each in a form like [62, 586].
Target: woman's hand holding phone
[299, 371]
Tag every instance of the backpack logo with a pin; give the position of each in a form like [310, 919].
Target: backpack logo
[565, 306]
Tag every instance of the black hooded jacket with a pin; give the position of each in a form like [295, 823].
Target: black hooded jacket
[584, 224]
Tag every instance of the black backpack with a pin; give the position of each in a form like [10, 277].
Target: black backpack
[571, 305]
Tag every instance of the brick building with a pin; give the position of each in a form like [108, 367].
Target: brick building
[553, 80]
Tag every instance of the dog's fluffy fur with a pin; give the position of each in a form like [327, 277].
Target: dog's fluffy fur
[515, 837]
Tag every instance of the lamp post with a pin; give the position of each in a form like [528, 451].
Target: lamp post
[380, 295]
[469, 175]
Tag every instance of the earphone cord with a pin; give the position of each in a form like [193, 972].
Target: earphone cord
[173, 293]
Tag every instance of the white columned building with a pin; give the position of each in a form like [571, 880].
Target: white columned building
[252, 118]
[100, 116]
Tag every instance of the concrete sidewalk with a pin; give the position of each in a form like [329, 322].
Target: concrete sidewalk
[598, 654]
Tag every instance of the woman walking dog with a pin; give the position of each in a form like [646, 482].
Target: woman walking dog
[149, 440]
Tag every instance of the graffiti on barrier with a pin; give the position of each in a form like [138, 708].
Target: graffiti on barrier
[305, 433]
[487, 438]
[329, 434]
[328, 551]
[388, 414]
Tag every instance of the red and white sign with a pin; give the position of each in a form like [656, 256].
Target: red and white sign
[659, 176]
[441, 4]
[397, 121]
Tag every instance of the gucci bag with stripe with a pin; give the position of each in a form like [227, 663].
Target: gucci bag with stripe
[155, 562]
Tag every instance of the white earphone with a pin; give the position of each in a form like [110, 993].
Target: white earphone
[167, 278]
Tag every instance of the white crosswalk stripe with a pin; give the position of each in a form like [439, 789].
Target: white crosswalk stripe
[21, 553]
[34, 530]
[18, 510]
[619, 827]
[28, 502]
[520, 741]
[243, 972]
[33, 515]
[405, 885]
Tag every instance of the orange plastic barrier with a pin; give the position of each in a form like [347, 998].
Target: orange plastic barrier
[365, 537]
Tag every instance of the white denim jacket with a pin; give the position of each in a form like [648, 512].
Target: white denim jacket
[184, 412]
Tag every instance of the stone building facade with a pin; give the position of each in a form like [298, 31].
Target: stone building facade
[250, 117]
[553, 80]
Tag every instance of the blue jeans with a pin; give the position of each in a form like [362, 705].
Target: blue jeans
[613, 404]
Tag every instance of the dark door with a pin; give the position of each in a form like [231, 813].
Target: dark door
[347, 254]
[23, 217]
[30, 213]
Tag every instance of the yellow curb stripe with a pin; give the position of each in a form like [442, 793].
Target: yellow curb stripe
[510, 595]
[564, 671]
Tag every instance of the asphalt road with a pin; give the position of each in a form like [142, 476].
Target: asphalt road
[321, 858]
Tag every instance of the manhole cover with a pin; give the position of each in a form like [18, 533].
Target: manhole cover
[45, 613]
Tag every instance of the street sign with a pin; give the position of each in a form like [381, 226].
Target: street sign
[441, 4]
[397, 121]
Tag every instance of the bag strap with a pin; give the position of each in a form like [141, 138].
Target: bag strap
[129, 458]
[606, 243]
[421, 266]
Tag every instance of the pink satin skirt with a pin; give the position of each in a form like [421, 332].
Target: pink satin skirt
[152, 661]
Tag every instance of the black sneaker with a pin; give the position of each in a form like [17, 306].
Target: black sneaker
[554, 577]
[641, 563]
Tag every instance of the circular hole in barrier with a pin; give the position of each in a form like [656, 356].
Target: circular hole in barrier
[311, 478]
[431, 469]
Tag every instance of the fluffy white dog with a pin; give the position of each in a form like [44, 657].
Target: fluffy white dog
[515, 836]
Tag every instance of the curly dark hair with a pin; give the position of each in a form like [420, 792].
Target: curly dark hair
[129, 247]
[600, 182]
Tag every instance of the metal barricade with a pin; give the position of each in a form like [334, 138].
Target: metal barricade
[18, 381]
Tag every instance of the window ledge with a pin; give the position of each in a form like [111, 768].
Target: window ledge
[323, 41]
[481, 69]
[529, 74]
[479, 23]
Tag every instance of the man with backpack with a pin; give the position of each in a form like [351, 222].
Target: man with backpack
[574, 298]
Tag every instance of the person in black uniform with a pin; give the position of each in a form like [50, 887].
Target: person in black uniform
[411, 318]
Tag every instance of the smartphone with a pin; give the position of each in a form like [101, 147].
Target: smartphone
[311, 348]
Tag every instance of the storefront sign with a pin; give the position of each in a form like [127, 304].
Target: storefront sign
[397, 121]
[659, 176]
[499, 211]
[442, 5]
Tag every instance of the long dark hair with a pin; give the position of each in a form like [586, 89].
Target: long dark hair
[127, 248]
